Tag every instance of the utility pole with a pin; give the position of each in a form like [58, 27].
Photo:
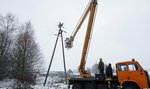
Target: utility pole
[60, 31]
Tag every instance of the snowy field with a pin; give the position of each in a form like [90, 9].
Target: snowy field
[56, 86]
[52, 83]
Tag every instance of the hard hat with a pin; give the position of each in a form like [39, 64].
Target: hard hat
[100, 58]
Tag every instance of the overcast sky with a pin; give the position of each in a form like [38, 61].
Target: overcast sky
[121, 31]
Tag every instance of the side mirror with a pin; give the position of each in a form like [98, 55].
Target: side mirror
[141, 72]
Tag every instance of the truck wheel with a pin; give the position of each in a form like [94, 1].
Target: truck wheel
[101, 86]
[77, 86]
[130, 87]
[89, 86]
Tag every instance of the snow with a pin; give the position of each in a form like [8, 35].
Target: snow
[55, 86]
[52, 83]
[6, 84]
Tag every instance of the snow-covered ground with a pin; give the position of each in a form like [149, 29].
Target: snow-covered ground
[55, 86]
[52, 83]
[6, 84]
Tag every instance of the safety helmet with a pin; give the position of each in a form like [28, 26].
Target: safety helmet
[100, 58]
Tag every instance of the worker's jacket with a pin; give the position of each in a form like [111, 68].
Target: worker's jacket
[101, 66]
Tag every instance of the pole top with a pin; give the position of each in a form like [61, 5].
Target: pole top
[60, 25]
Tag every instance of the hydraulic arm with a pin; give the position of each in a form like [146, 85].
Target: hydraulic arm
[91, 10]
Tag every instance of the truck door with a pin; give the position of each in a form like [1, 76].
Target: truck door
[136, 73]
[122, 72]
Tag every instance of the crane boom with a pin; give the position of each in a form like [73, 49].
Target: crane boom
[126, 72]
[91, 9]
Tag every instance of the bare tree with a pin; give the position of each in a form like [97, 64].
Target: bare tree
[95, 68]
[89, 70]
[19, 53]
[26, 55]
[7, 27]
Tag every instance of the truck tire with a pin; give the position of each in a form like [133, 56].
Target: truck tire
[77, 86]
[89, 86]
[129, 86]
[101, 86]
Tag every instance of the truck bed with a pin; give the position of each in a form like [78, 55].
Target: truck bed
[92, 79]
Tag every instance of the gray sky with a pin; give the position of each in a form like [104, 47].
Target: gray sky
[121, 31]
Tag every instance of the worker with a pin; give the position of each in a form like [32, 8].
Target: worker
[101, 66]
[109, 71]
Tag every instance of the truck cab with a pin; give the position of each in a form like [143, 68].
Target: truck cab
[131, 75]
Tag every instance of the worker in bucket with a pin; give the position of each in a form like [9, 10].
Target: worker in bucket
[101, 66]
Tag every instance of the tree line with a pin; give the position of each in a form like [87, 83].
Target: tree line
[19, 52]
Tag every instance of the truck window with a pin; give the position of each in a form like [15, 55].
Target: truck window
[133, 67]
[122, 67]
